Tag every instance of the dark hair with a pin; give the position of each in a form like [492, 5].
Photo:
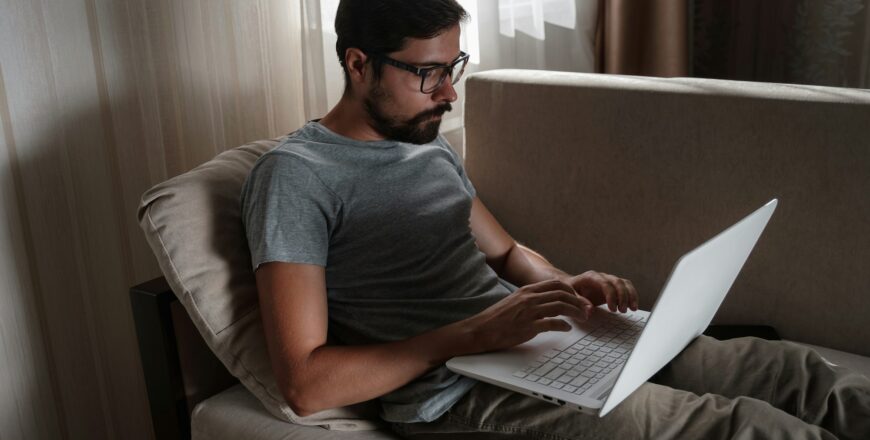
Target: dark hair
[383, 26]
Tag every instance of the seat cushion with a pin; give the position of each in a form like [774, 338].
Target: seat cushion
[193, 224]
[236, 414]
[852, 361]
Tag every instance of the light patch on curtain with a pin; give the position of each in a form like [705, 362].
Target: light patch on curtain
[529, 16]
[470, 36]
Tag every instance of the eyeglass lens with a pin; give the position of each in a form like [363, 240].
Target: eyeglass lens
[436, 77]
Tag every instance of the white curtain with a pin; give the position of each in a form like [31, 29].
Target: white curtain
[524, 34]
[99, 101]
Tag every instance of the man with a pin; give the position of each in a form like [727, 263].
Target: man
[364, 223]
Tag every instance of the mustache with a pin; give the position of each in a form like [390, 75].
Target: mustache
[437, 111]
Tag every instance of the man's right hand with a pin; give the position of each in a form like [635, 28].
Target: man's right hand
[525, 313]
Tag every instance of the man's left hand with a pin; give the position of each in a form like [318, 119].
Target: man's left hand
[599, 287]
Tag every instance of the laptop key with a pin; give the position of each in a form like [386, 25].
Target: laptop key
[521, 374]
[544, 381]
[544, 369]
[555, 374]
[578, 381]
[552, 353]
[569, 388]
[533, 378]
[557, 385]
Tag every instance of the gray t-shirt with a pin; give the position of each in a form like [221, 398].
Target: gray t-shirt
[390, 223]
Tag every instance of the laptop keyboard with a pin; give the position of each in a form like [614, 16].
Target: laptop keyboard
[586, 361]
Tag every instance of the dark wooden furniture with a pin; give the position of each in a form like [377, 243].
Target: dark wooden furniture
[180, 370]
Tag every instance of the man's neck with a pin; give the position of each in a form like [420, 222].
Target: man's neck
[349, 119]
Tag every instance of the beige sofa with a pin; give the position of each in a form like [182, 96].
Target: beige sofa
[623, 174]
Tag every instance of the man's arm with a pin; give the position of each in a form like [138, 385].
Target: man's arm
[313, 376]
[521, 265]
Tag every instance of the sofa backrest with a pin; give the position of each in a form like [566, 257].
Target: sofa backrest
[625, 174]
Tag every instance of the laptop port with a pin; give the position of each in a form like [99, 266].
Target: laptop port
[534, 393]
[546, 397]
[561, 402]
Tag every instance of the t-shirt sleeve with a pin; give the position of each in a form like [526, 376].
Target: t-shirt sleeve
[457, 162]
[288, 212]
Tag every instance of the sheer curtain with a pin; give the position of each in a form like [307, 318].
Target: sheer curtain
[525, 34]
[100, 100]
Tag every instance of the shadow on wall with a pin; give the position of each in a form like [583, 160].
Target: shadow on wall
[80, 185]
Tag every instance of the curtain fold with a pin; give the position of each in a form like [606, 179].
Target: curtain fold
[313, 67]
[643, 37]
[819, 42]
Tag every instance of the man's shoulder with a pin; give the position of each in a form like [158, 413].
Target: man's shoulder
[293, 150]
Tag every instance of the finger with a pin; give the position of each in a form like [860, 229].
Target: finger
[557, 308]
[582, 305]
[632, 292]
[570, 297]
[609, 292]
[621, 292]
[554, 284]
[551, 324]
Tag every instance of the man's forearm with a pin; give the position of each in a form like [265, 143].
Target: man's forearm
[336, 376]
[523, 266]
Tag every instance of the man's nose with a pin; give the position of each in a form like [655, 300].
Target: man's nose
[445, 92]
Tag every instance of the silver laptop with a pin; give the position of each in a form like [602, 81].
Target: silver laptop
[599, 362]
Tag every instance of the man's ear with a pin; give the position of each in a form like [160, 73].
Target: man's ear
[355, 60]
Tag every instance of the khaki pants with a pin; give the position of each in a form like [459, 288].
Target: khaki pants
[745, 388]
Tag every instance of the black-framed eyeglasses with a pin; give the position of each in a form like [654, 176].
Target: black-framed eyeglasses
[431, 77]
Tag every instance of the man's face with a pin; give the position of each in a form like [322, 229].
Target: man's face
[397, 108]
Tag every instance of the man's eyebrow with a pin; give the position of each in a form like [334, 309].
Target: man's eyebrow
[437, 62]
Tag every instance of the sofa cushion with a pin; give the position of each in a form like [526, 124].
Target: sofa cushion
[193, 224]
[235, 414]
[851, 361]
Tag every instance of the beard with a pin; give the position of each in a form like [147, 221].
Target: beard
[416, 130]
